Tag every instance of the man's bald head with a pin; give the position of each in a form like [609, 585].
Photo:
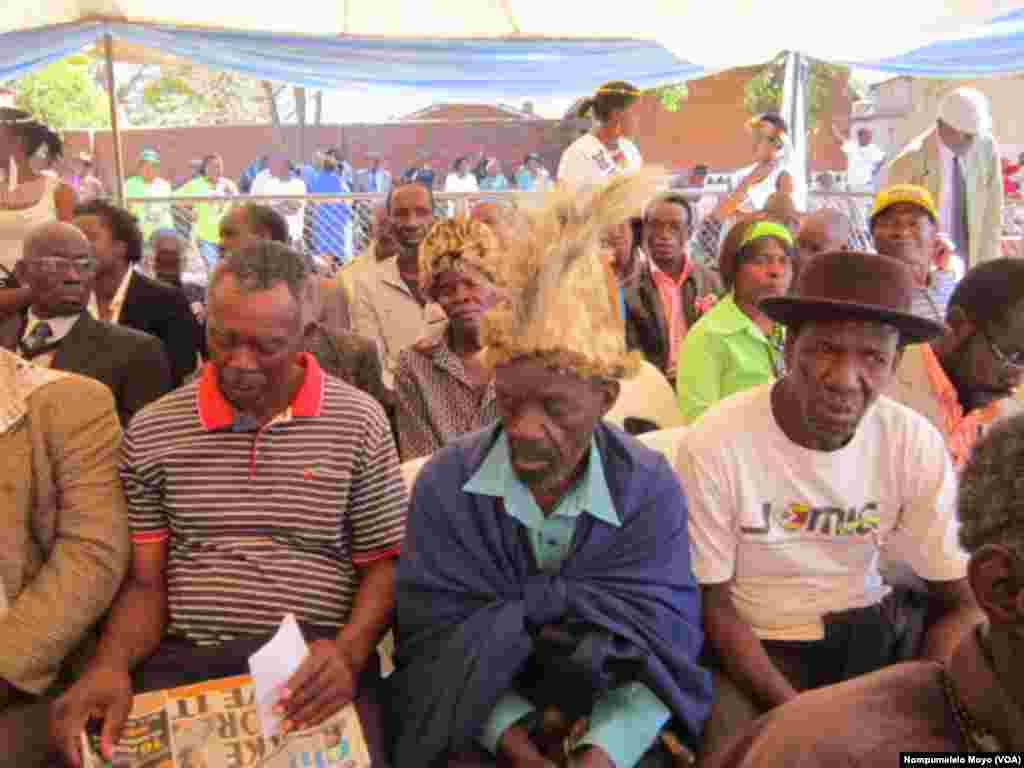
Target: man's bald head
[823, 231]
[53, 236]
[59, 265]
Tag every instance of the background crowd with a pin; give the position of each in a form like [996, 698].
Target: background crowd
[627, 472]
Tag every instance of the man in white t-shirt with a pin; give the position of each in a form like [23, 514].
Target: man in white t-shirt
[278, 179]
[791, 510]
[863, 159]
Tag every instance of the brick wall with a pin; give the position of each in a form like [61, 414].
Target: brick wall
[710, 128]
[399, 144]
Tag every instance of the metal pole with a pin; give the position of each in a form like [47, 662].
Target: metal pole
[108, 46]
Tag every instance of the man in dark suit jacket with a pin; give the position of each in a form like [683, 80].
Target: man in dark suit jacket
[666, 232]
[57, 332]
[126, 297]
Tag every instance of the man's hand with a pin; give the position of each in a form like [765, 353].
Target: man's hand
[325, 682]
[519, 751]
[104, 693]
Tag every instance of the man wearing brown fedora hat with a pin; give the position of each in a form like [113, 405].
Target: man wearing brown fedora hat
[790, 514]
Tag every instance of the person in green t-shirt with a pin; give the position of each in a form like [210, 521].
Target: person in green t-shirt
[151, 216]
[210, 181]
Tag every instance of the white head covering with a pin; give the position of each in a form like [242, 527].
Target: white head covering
[966, 109]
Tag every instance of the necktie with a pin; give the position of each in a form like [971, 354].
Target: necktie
[961, 232]
[36, 342]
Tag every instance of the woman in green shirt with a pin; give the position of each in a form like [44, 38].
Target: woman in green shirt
[735, 346]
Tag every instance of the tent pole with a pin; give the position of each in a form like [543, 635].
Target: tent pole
[108, 48]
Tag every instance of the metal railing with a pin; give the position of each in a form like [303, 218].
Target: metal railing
[335, 228]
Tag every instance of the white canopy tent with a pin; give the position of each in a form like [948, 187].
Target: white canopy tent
[520, 48]
[715, 35]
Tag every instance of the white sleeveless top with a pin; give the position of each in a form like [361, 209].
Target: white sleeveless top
[15, 225]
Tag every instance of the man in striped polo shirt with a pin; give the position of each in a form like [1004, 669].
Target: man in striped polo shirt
[263, 488]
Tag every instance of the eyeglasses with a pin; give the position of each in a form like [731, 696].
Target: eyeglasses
[1013, 361]
[53, 265]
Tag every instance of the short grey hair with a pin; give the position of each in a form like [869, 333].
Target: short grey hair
[991, 503]
[260, 265]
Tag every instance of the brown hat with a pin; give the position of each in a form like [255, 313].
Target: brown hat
[847, 285]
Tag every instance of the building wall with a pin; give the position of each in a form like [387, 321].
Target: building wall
[710, 127]
[907, 107]
[400, 144]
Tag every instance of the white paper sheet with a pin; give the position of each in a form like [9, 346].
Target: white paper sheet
[271, 666]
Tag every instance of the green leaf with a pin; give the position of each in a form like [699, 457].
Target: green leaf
[64, 96]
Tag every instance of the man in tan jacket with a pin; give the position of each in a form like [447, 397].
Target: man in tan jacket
[64, 544]
[957, 161]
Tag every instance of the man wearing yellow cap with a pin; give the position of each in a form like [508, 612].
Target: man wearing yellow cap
[903, 224]
[547, 561]
[957, 160]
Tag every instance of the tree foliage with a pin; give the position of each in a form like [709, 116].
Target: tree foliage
[185, 95]
[671, 96]
[763, 92]
[64, 95]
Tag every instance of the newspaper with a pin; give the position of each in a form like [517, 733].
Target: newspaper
[216, 725]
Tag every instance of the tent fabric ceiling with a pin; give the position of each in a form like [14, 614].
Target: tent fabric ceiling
[518, 68]
[521, 48]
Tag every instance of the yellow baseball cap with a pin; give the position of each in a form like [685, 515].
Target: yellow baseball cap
[905, 193]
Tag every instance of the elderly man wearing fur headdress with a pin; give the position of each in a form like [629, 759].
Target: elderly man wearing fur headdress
[546, 575]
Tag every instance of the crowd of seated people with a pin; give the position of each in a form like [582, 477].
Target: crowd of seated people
[836, 533]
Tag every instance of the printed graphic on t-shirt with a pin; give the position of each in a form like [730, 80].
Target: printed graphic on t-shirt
[603, 162]
[798, 517]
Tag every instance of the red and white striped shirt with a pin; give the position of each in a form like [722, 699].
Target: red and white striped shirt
[263, 522]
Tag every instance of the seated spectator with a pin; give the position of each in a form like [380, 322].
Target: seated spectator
[170, 257]
[781, 207]
[904, 223]
[56, 331]
[389, 306]
[662, 304]
[820, 232]
[963, 382]
[622, 249]
[735, 345]
[252, 220]
[122, 295]
[299, 508]
[278, 179]
[817, 477]
[547, 561]
[343, 354]
[65, 539]
[494, 180]
[968, 705]
[446, 391]
[336, 291]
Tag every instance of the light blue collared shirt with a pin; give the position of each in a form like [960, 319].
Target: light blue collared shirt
[626, 721]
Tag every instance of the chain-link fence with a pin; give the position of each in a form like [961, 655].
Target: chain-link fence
[332, 229]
